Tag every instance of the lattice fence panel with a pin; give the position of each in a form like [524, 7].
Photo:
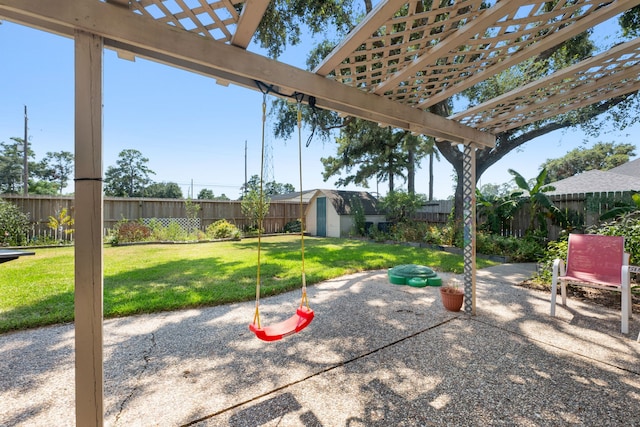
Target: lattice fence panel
[184, 223]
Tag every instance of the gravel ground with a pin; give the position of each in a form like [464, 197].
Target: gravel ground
[375, 354]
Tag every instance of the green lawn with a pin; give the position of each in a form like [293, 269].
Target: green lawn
[38, 290]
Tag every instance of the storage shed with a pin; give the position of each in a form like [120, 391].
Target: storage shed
[330, 212]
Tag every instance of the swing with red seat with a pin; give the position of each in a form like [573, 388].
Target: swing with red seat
[304, 314]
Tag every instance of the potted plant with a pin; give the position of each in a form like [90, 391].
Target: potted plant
[452, 295]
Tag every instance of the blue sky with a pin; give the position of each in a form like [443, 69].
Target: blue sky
[191, 129]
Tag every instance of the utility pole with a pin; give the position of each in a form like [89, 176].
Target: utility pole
[244, 193]
[25, 188]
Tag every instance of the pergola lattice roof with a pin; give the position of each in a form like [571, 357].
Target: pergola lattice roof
[610, 74]
[219, 20]
[421, 57]
[418, 53]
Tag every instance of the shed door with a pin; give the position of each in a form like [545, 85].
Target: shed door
[321, 216]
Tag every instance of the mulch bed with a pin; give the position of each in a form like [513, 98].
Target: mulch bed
[602, 297]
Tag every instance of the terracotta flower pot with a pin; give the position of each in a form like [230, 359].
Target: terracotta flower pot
[452, 298]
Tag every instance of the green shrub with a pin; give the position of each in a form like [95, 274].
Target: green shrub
[399, 205]
[410, 231]
[378, 235]
[14, 225]
[222, 229]
[554, 250]
[131, 231]
[156, 228]
[628, 226]
[434, 234]
[527, 249]
[452, 231]
[292, 226]
[173, 233]
[359, 217]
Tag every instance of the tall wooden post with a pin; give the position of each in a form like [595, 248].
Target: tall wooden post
[469, 217]
[88, 224]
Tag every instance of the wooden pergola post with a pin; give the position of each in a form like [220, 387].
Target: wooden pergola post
[469, 218]
[88, 223]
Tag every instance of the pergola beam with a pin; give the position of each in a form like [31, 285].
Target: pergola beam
[127, 31]
[250, 17]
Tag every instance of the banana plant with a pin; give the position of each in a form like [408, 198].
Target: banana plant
[540, 205]
[622, 210]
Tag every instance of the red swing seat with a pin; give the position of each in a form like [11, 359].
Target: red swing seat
[294, 324]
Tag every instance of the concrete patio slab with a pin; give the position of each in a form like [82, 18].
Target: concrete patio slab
[376, 354]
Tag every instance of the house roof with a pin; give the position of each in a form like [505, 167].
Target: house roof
[631, 168]
[596, 181]
[342, 201]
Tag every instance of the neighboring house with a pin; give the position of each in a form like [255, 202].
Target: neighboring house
[625, 177]
[631, 168]
[330, 212]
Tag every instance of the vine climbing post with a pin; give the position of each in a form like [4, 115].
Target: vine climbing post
[469, 217]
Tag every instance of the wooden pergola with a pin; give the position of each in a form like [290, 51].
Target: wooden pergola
[404, 57]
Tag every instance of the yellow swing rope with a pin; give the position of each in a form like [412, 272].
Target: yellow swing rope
[256, 316]
[304, 300]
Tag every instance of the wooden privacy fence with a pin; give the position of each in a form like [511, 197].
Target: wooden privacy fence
[40, 208]
[582, 209]
[437, 211]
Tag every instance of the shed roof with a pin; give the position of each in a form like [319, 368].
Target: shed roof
[343, 201]
[294, 197]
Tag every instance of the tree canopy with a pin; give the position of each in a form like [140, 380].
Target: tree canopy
[163, 190]
[285, 20]
[367, 151]
[48, 176]
[129, 177]
[57, 168]
[207, 194]
[11, 166]
[602, 156]
[270, 188]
